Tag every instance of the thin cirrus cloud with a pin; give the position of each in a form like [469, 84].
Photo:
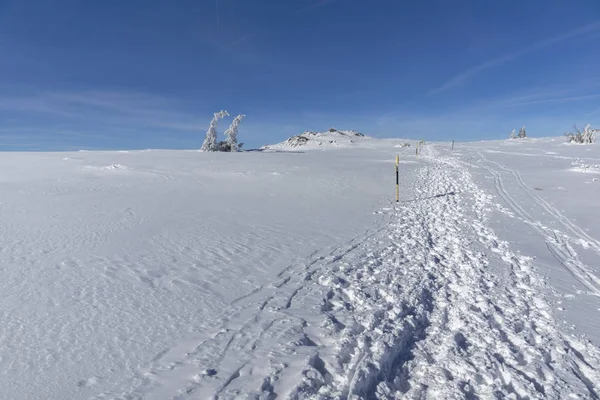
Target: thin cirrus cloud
[83, 119]
[473, 71]
[577, 92]
[505, 108]
[49, 138]
[316, 5]
[105, 108]
[596, 112]
[561, 99]
[218, 18]
[577, 102]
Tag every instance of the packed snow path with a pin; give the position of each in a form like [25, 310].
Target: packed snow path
[433, 305]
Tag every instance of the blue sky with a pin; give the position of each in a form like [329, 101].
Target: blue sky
[149, 74]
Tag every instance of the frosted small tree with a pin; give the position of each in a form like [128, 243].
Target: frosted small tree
[574, 136]
[522, 134]
[232, 132]
[513, 134]
[210, 143]
[587, 136]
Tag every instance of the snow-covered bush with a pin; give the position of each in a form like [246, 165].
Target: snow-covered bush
[231, 134]
[224, 146]
[210, 143]
[587, 136]
[521, 135]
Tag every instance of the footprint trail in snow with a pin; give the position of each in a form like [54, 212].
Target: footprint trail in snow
[434, 305]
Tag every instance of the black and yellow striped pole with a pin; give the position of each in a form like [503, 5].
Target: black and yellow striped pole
[397, 179]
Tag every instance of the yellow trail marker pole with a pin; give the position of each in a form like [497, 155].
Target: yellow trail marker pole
[397, 180]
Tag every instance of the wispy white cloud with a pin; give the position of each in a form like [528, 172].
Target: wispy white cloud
[584, 90]
[314, 6]
[242, 39]
[559, 99]
[471, 72]
[48, 138]
[218, 19]
[57, 120]
[596, 112]
[468, 74]
[495, 118]
[107, 108]
[17, 133]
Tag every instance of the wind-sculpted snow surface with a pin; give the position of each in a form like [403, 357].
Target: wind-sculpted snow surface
[109, 259]
[433, 305]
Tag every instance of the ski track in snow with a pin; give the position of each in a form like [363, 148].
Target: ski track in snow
[559, 243]
[581, 236]
[433, 305]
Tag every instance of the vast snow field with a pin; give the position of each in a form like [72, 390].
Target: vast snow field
[262, 275]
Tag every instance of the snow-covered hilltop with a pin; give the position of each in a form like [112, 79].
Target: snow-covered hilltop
[331, 138]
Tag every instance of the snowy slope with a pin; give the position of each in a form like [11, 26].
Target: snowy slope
[164, 275]
[320, 140]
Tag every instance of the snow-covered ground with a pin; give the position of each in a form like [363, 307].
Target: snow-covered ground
[178, 274]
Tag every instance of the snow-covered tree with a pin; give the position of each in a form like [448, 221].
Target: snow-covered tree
[513, 134]
[522, 134]
[231, 133]
[587, 136]
[210, 143]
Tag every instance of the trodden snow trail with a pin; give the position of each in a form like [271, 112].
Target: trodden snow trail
[433, 305]
[439, 307]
